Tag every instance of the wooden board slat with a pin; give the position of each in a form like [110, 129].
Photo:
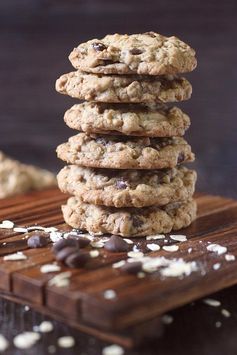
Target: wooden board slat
[138, 302]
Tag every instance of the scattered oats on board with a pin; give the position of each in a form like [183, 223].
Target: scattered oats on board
[44, 327]
[212, 302]
[216, 266]
[153, 247]
[7, 224]
[98, 244]
[167, 319]
[113, 350]
[178, 237]
[55, 236]
[15, 257]
[66, 342]
[20, 229]
[109, 294]
[129, 241]
[170, 248]
[94, 253]
[35, 228]
[229, 257]
[179, 268]
[4, 343]
[49, 268]
[135, 254]
[61, 280]
[118, 264]
[225, 313]
[26, 340]
[218, 324]
[216, 248]
[155, 237]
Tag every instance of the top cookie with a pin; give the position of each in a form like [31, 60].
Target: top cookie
[148, 53]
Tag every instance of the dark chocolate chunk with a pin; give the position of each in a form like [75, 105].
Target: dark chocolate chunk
[137, 222]
[121, 184]
[77, 259]
[63, 243]
[98, 47]
[81, 241]
[132, 268]
[136, 51]
[65, 253]
[181, 158]
[116, 244]
[37, 241]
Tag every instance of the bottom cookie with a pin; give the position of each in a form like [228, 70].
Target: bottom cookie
[129, 222]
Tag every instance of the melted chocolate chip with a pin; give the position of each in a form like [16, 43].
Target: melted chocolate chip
[136, 221]
[65, 252]
[121, 184]
[136, 51]
[132, 268]
[77, 259]
[81, 241]
[181, 158]
[63, 243]
[116, 244]
[37, 241]
[98, 47]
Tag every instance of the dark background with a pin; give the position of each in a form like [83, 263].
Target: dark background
[36, 37]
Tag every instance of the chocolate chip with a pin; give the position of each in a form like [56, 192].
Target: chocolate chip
[81, 241]
[181, 158]
[121, 184]
[65, 252]
[136, 51]
[116, 244]
[37, 241]
[132, 268]
[77, 259]
[63, 243]
[98, 47]
[137, 222]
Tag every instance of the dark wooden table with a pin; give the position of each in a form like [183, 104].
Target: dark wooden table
[35, 39]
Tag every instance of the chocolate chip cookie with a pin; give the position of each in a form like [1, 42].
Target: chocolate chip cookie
[127, 188]
[148, 53]
[17, 178]
[122, 152]
[129, 119]
[124, 88]
[132, 222]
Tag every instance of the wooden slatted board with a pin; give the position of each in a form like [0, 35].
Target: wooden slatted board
[136, 310]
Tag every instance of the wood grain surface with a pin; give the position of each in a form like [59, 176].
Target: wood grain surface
[82, 304]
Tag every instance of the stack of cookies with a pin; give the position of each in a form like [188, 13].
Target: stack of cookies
[126, 174]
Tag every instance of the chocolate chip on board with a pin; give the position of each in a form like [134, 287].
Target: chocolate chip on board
[63, 243]
[37, 241]
[65, 252]
[132, 268]
[77, 259]
[116, 244]
[82, 241]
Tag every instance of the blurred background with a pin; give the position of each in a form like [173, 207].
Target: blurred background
[36, 37]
